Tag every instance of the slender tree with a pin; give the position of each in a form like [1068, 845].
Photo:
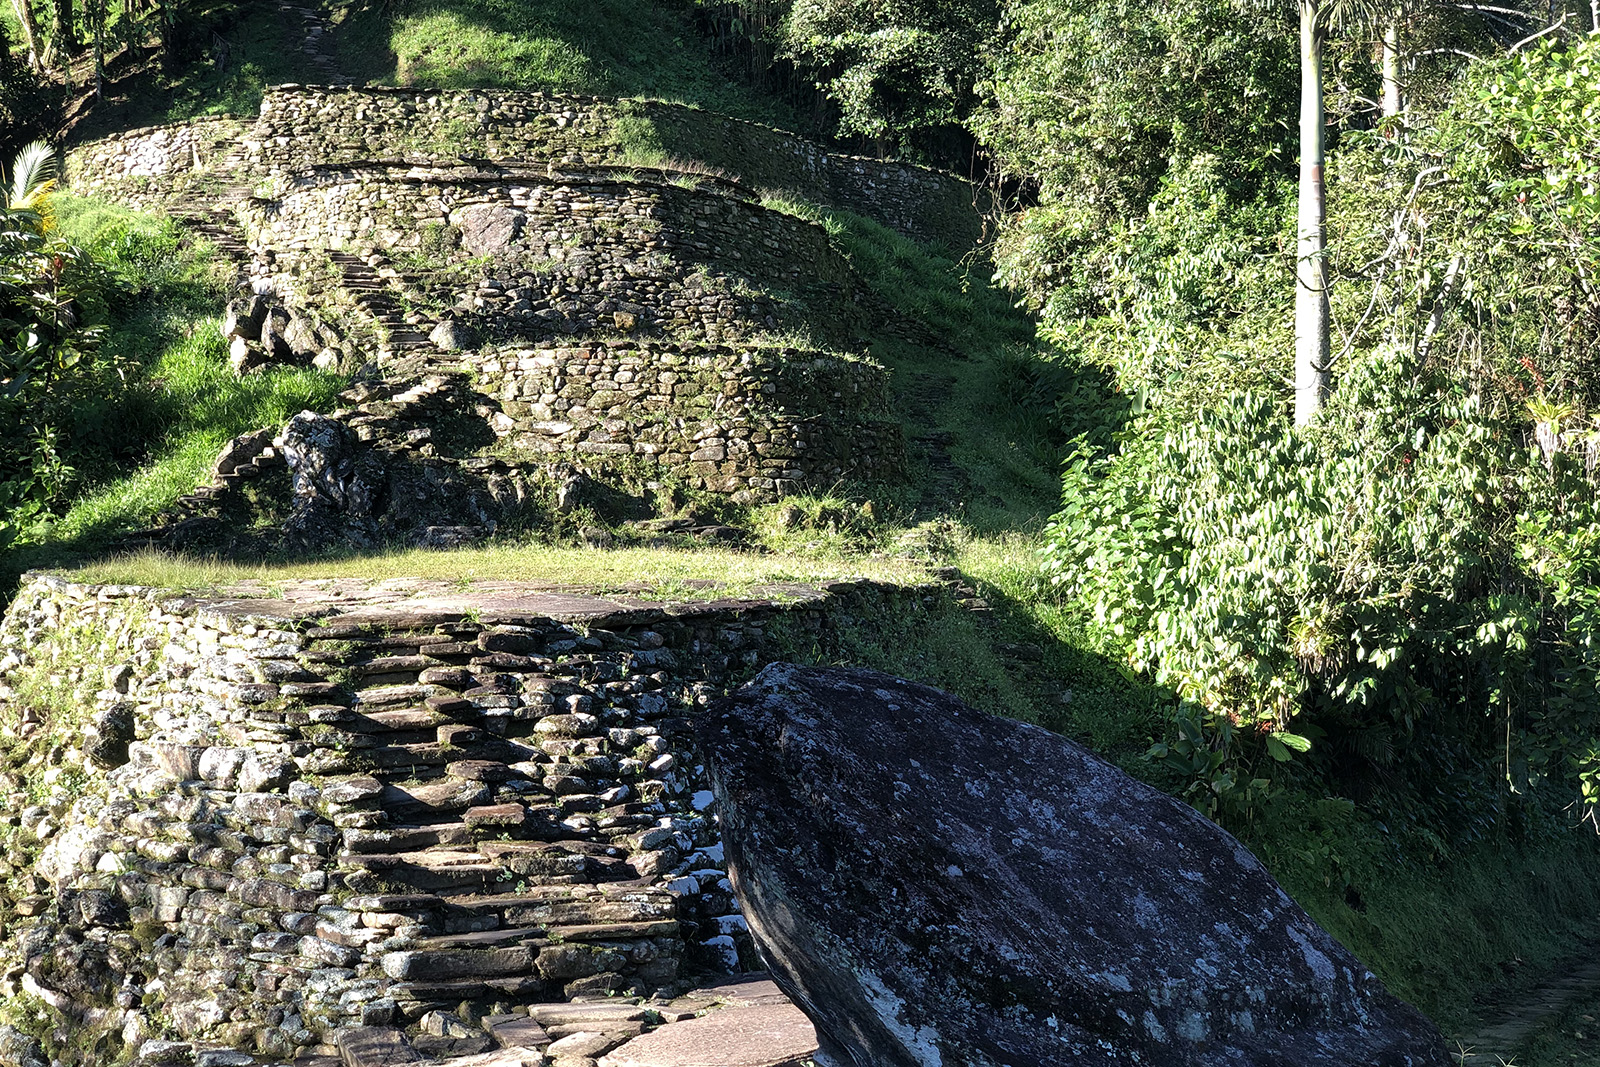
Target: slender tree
[1312, 371]
[1391, 103]
[30, 31]
[1312, 375]
[64, 29]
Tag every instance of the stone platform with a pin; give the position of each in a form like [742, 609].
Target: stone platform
[299, 809]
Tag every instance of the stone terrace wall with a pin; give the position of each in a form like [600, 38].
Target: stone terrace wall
[325, 820]
[154, 156]
[566, 255]
[747, 421]
[917, 201]
[300, 125]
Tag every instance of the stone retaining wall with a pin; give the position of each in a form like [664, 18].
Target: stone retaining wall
[154, 156]
[532, 256]
[322, 817]
[330, 125]
[750, 421]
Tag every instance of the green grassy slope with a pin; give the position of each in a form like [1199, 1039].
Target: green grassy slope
[160, 314]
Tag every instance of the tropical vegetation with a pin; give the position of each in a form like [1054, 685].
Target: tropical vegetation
[1272, 393]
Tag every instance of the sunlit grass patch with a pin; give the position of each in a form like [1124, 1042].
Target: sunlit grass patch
[656, 572]
[447, 48]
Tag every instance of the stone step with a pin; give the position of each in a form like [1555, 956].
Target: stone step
[374, 1046]
[428, 858]
[546, 859]
[600, 1015]
[640, 931]
[415, 718]
[432, 874]
[407, 838]
[516, 1031]
[512, 935]
[771, 1035]
[452, 991]
[551, 906]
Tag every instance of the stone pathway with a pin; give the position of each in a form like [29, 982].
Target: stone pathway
[317, 44]
[745, 1022]
[1506, 1027]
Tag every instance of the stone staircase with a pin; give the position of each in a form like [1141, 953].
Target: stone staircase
[210, 212]
[400, 333]
[316, 37]
[552, 894]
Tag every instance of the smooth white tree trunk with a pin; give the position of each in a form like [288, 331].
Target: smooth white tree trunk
[1311, 348]
[30, 31]
[1392, 103]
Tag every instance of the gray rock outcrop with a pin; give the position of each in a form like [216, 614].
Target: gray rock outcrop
[336, 485]
[934, 885]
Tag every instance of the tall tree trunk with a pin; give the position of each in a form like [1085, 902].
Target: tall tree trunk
[64, 30]
[1311, 349]
[30, 31]
[96, 10]
[1392, 103]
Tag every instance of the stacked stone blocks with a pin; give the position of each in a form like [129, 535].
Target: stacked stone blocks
[326, 822]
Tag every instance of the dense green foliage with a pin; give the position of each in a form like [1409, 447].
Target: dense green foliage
[893, 69]
[54, 388]
[117, 393]
[1410, 570]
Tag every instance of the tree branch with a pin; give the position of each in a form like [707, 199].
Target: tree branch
[1437, 315]
[1498, 10]
[1535, 36]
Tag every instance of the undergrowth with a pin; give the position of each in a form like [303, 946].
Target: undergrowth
[180, 402]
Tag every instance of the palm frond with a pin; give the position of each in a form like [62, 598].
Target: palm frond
[33, 168]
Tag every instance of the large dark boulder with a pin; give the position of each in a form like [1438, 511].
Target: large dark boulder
[937, 886]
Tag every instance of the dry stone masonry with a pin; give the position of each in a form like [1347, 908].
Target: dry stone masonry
[338, 126]
[604, 277]
[273, 822]
[152, 159]
[727, 419]
[569, 255]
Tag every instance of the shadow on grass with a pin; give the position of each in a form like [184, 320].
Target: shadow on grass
[608, 47]
[242, 49]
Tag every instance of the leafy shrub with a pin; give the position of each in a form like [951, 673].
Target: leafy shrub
[1409, 569]
[50, 364]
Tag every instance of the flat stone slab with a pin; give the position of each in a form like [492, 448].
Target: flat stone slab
[375, 1046]
[350, 602]
[596, 1016]
[517, 1032]
[763, 1035]
[746, 991]
[501, 1057]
